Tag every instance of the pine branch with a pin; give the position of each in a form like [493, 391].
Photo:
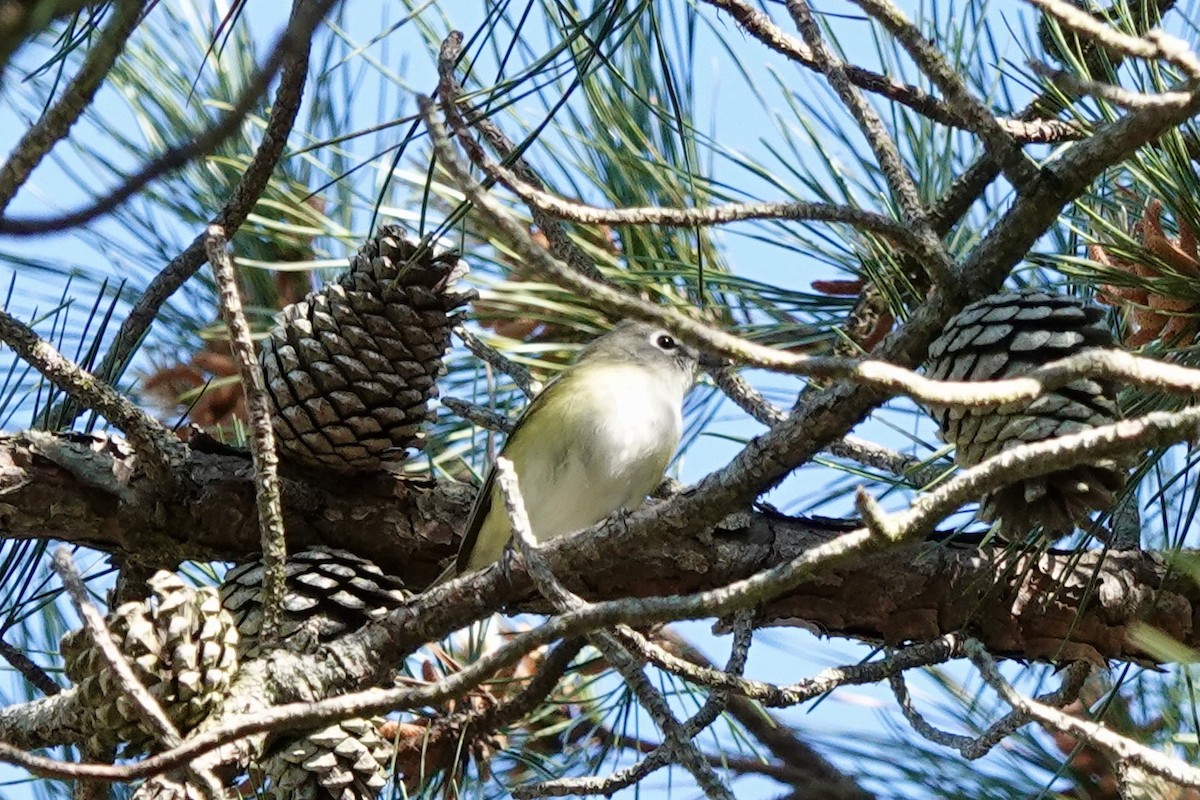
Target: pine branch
[250, 187]
[56, 123]
[262, 440]
[1026, 130]
[297, 37]
[160, 450]
[407, 530]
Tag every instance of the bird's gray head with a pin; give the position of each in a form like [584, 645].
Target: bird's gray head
[649, 346]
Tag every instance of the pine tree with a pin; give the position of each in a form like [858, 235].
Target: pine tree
[830, 186]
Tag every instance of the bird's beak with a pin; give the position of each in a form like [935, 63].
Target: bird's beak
[712, 361]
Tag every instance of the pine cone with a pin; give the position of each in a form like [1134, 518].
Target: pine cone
[169, 787]
[329, 593]
[1006, 335]
[182, 646]
[351, 369]
[346, 761]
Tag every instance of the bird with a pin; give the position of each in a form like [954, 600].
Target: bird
[596, 440]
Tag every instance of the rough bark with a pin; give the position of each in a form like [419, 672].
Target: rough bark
[86, 489]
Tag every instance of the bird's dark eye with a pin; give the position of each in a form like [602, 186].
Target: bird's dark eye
[665, 341]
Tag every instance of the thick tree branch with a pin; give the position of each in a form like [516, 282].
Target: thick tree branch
[425, 615]
[69, 488]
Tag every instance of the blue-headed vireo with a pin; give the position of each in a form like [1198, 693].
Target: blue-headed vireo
[597, 439]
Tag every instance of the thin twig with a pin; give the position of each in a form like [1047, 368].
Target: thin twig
[878, 521]
[448, 92]
[917, 472]
[1117, 95]
[935, 258]
[466, 725]
[54, 125]
[774, 696]
[662, 755]
[760, 26]
[997, 140]
[784, 773]
[250, 186]
[161, 450]
[307, 14]
[531, 696]
[804, 767]
[500, 362]
[29, 669]
[746, 397]
[262, 440]
[477, 414]
[542, 201]
[1151, 430]
[975, 747]
[1093, 733]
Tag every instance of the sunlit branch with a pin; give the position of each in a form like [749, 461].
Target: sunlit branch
[161, 450]
[1155, 44]
[259, 410]
[1093, 733]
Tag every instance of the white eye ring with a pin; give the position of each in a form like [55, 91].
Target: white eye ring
[665, 341]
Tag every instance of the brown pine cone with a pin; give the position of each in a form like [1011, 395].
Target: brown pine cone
[1007, 335]
[352, 369]
[182, 645]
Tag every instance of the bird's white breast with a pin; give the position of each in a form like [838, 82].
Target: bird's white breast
[625, 433]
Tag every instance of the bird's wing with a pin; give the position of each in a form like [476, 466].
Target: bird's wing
[479, 512]
[483, 501]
